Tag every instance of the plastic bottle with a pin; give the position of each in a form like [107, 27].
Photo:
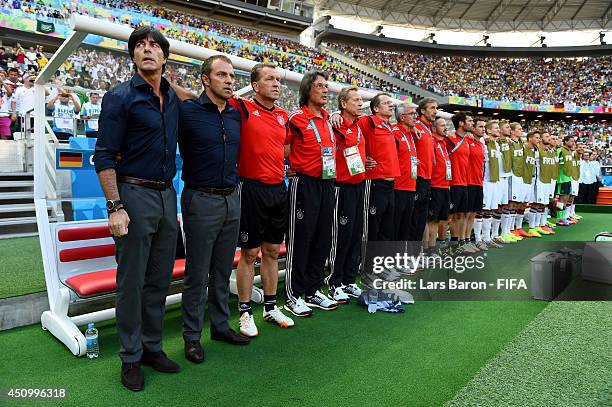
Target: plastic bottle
[91, 338]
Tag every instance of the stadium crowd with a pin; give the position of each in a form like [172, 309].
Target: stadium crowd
[232, 39]
[583, 81]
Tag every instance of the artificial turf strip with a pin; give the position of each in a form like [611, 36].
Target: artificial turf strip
[563, 358]
[344, 357]
[21, 267]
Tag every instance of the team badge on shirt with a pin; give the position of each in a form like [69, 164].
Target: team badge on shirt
[244, 237]
[281, 120]
[343, 220]
[300, 214]
[372, 210]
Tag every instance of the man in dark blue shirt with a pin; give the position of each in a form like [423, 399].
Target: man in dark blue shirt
[209, 136]
[135, 162]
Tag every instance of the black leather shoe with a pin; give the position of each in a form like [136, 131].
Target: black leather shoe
[194, 351]
[132, 377]
[230, 336]
[160, 362]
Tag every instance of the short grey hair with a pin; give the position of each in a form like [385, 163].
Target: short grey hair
[401, 109]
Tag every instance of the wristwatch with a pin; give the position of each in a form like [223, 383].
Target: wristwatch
[113, 205]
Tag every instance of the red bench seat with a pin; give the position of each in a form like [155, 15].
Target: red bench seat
[105, 281]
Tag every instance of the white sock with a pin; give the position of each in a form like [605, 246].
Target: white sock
[542, 221]
[531, 216]
[506, 221]
[518, 220]
[486, 229]
[478, 229]
[495, 227]
[570, 209]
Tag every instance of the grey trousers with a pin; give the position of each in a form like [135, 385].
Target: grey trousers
[211, 224]
[145, 260]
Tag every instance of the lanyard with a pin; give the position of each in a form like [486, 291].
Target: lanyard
[441, 152]
[458, 145]
[316, 132]
[424, 124]
[405, 140]
[387, 127]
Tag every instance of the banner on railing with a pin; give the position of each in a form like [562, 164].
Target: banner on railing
[458, 100]
[567, 107]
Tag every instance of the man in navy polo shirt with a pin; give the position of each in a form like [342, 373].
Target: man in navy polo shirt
[135, 162]
[209, 136]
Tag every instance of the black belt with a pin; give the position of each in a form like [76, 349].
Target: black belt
[157, 185]
[215, 191]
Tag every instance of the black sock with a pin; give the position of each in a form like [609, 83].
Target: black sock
[454, 241]
[245, 307]
[269, 302]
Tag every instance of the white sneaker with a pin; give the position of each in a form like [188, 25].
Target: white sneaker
[338, 295]
[352, 290]
[277, 317]
[298, 308]
[320, 300]
[247, 325]
[482, 246]
[470, 248]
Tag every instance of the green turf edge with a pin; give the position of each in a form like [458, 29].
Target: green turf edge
[345, 357]
[562, 358]
[21, 268]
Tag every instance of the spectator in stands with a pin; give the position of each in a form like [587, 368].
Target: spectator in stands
[90, 113]
[41, 60]
[64, 107]
[31, 59]
[13, 78]
[6, 99]
[587, 179]
[24, 101]
[578, 81]
[596, 168]
[5, 57]
[139, 122]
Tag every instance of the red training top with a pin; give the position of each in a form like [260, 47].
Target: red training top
[475, 173]
[262, 141]
[380, 145]
[424, 143]
[459, 151]
[406, 153]
[306, 152]
[349, 135]
[440, 160]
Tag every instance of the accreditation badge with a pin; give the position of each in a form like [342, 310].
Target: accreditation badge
[329, 163]
[449, 173]
[414, 165]
[353, 160]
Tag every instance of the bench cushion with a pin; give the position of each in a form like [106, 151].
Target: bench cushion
[83, 233]
[105, 281]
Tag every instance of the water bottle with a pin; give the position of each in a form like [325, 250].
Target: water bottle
[372, 301]
[91, 338]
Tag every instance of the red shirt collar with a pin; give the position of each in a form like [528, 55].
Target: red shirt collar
[310, 115]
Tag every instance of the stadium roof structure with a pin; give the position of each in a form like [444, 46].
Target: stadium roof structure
[479, 15]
